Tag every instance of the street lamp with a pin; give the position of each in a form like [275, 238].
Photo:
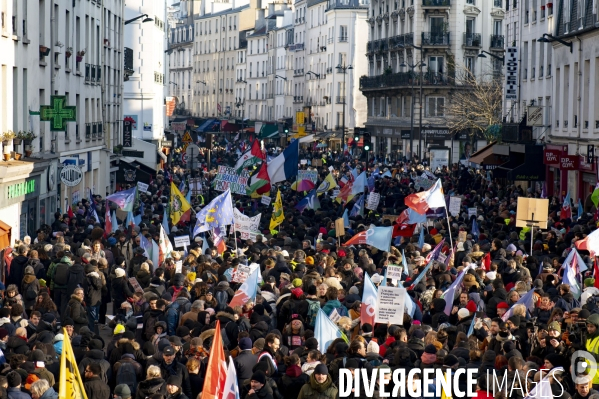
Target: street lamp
[241, 81]
[280, 77]
[146, 19]
[343, 69]
[481, 55]
[201, 81]
[543, 39]
[412, 67]
[313, 73]
[171, 82]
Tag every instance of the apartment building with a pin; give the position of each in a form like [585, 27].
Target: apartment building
[434, 39]
[180, 66]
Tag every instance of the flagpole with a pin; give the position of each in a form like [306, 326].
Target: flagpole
[449, 228]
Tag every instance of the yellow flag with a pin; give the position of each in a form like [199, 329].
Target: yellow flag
[70, 384]
[277, 212]
[327, 184]
[444, 395]
[179, 204]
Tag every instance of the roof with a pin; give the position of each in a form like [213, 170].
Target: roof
[225, 12]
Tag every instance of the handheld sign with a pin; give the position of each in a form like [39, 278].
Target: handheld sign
[182, 241]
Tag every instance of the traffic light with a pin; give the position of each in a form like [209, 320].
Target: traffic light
[367, 142]
[285, 128]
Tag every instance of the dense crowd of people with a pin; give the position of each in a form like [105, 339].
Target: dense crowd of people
[71, 274]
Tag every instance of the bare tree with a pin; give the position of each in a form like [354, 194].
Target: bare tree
[475, 104]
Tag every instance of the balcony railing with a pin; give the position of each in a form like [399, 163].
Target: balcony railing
[340, 100]
[497, 42]
[343, 39]
[403, 79]
[308, 101]
[88, 131]
[472, 40]
[435, 39]
[298, 99]
[436, 3]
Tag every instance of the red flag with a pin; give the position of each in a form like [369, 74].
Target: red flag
[425, 200]
[107, 221]
[403, 217]
[358, 239]
[403, 230]
[216, 371]
[487, 261]
[596, 273]
[70, 212]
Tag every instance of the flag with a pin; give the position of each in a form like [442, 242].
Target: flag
[70, 383]
[409, 303]
[216, 371]
[595, 196]
[449, 294]
[130, 221]
[92, 211]
[165, 222]
[180, 208]
[425, 200]
[137, 220]
[124, 199]
[155, 254]
[384, 282]
[284, 167]
[188, 195]
[528, 300]
[259, 182]
[146, 246]
[378, 237]
[219, 212]
[325, 331]
[358, 208]
[403, 230]
[359, 184]
[114, 222]
[404, 262]
[369, 303]
[107, 221]
[410, 216]
[164, 246]
[218, 241]
[204, 245]
[370, 183]
[544, 190]
[475, 229]
[70, 212]
[571, 277]
[434, 254]
[345, 218]
[566, 212]
[327, 184]
[580, 262]
[277, 212]
[421, 238]
[247, 291]
[589, 243]
[580, 209]
[310, 201]
[471, 329]
[250, 158]
[422, 274]
[231, 389]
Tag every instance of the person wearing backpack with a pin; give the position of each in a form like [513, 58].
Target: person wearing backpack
[120, 290]
[76, 309]
[75, 277]
[333, 303]
[172, 314]
[92, 286]
[30, 287]
[59, 278]
[151, 318]
[223, 294]
[127, 371]
[566, 300]
[296, 304]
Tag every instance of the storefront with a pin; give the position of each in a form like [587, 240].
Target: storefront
[554, 177]
[587, 179]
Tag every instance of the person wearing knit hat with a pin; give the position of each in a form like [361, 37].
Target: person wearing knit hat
[554, 326]
[14, 384]
[309, 260]
[372, 348]
[245, 343]
[463, 313]
[451, 361]
[297, 282]
[122, 391]
[502, 307]
[471, 306]
[257, 383]
[553, 360]
[429, 356]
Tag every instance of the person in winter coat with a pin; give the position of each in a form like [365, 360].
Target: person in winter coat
[499, 295]
[76, 309]
[14, 386]
[16, 272]
[17, 344]
[223, 295]
[245, 360]
[296, 304]
[153, 384]
[75, 277]
[294, 379]
[320, 385]
[94, 353]
[333, 303]
[173, 388]
[94, 387]
[259, 389]
[170, 367]
[120, 288]
[144, 276]
[30, 287]
[92, 287]
[41, 389]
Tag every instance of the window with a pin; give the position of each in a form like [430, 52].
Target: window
[469, 62]
[343, 33]
[497, 23]
[436, 106]
[342, 59]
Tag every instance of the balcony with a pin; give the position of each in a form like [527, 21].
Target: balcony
[343, 39]
[298, 99]
[403, 79]
[472, 40]
[298, 72]
[497, 42]
[308, 101]
[435, 39]
[340, 100]
[436, 3]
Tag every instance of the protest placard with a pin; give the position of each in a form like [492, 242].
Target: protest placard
[472, 212]
[303, 161]
[266, 200]
[390, 305]
[339, 228]
[135, 284]
[143, 187]
[246, 225]
[423, 182]
[454, 205]
[179, 266]
[228, 178]
[462, 236]
[334, 316]
[373, 201]
[311, 175]
[182, 241]
[394, 272]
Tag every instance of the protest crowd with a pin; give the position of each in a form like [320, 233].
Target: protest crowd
[225, 293]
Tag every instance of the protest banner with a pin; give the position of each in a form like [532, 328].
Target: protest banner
[195, 185]
[243, 272]
[228, 178]
[390, 305]
[462, 236]
[454, 205]
[373, 201]
[311, 175]
[135, 284]
[423, 182]
[303, 161]
[179, 266]
[246, 225]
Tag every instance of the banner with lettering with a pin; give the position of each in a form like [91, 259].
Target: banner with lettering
[228, 178]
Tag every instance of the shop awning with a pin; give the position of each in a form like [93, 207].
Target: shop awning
[226, 126]
[532, 169]
[269, 131]
[207, 126]
[516, 159]
[249, 130]
[4, 235]
[492, 154]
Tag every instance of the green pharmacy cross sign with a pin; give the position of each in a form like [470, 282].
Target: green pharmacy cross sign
[58, 113]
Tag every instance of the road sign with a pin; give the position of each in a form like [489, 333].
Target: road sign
[186, 138]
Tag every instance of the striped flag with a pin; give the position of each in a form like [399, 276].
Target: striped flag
[247, 291]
